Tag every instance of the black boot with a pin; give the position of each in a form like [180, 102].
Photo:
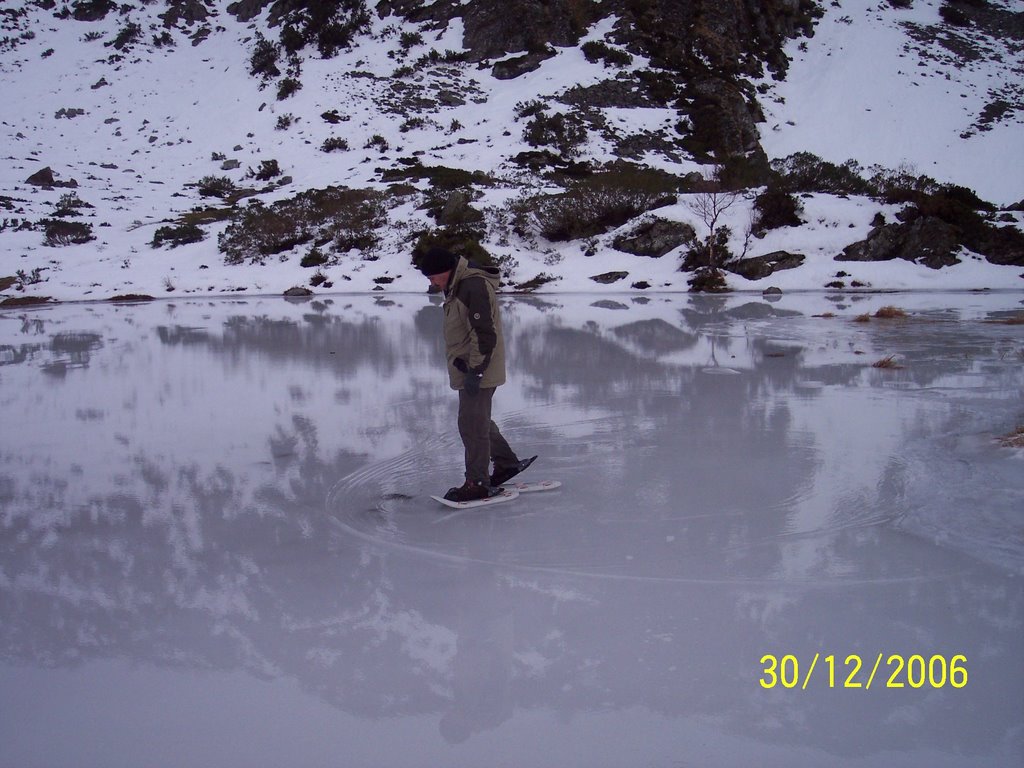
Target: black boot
[504, 474]
[469, 491]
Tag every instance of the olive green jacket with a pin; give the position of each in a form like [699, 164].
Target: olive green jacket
[472, 324]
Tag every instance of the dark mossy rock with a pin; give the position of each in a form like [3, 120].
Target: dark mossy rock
[757, 267]
[655, 238]
[927, 240]
[607, 278]
[298, 292]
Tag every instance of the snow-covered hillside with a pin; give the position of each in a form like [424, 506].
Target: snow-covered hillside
[136, 125]
[883, 86]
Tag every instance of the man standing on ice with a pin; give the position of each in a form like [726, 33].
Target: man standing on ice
[475, 350]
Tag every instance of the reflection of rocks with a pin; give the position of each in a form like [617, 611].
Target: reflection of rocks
[76, 343]
[656, 336]
[711, 309]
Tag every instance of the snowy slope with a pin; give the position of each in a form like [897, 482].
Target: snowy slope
[153, 121]
[863, 88]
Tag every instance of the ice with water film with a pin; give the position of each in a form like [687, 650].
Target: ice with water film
[217, 546]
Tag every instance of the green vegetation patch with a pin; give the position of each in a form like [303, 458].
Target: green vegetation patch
[340, 218]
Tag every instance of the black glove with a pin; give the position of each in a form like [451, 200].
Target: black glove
[460, 365]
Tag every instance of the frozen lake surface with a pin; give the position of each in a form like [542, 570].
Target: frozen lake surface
[216, 546]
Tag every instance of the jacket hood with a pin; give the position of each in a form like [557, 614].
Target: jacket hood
[466, 268]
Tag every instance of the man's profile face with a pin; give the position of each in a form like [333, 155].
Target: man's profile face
[440, 281]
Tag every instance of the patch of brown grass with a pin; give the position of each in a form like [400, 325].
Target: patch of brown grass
[862, 319]
[887, 363]
[1017, 319]
[890, 313]
[1013, 440]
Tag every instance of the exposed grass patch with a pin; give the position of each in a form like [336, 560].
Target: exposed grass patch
[888, 362]
[1017, 319]
[890, 313]
[865, 318]
[1013, 440]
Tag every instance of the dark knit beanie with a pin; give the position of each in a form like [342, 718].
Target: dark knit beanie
[437, 260]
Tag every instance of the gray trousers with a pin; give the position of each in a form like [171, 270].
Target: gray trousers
[481, 437]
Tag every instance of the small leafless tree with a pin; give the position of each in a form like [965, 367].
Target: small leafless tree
[708, 205]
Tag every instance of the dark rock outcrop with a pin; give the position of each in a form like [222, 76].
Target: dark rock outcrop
[757, 267]
[704, 49]
[496, 28]
[188, 11]
[927, 240]
[247, 10]
[45, 178]
[655, 238]
[509, 69]
[608, 278]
